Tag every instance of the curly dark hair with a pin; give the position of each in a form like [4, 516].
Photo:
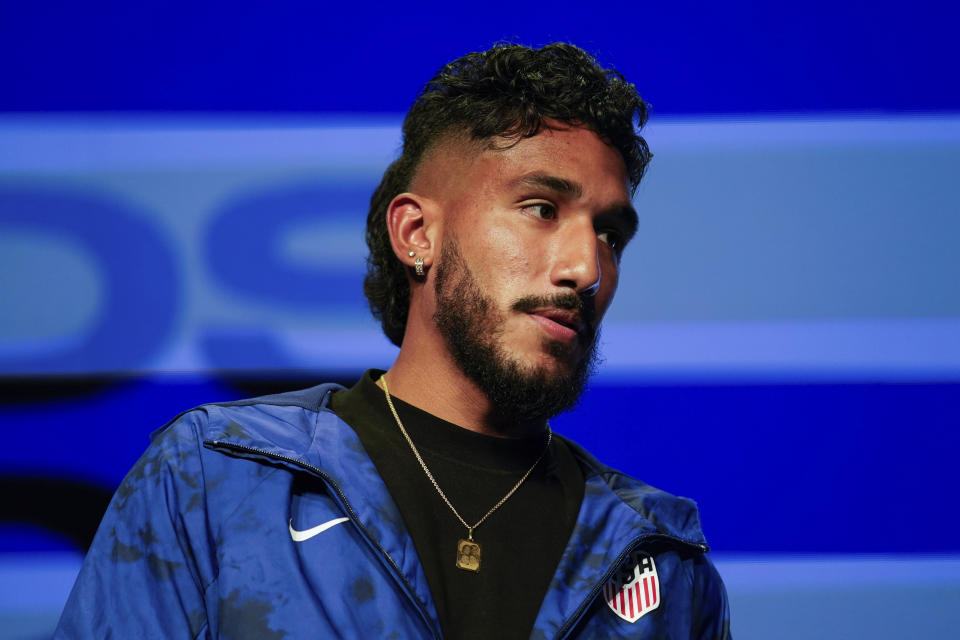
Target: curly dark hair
[506, 91]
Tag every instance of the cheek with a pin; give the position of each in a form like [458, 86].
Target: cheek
[508, 260]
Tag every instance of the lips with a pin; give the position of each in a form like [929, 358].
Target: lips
[567, 317]
[560, 324]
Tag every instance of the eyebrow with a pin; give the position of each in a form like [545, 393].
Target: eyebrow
[554, 183]
[625, 212]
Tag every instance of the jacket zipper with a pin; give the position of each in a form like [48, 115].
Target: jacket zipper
[408, 588]
[575, 618]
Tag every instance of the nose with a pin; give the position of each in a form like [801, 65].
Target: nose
[577, 261]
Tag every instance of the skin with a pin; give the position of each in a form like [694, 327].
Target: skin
[548, 215]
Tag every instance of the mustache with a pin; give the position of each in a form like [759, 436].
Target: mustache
[583, 304]
[558, 301]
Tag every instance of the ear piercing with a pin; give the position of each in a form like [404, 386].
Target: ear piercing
[417, 264]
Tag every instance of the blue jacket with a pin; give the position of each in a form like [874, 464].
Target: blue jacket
[199, 542]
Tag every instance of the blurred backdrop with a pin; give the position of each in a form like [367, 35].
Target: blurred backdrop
[182, 199]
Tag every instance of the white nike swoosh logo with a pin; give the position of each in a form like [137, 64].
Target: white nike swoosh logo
[306, 534]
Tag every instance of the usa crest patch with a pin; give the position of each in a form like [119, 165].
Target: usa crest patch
[634, 591]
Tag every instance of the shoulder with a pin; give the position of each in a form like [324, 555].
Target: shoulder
[678, 518]
[283, 421]
[182, 454]
[672, 515]
[181, 477]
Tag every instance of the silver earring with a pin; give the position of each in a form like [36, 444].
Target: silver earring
[411, 253]
[418, 266]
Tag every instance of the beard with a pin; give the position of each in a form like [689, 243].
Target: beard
[519, 394]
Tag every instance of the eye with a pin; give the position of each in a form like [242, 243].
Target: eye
[611, 237]
[541, 210]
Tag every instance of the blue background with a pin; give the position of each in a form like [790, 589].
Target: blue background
[182, 193]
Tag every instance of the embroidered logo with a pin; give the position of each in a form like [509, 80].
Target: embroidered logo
[634, 591]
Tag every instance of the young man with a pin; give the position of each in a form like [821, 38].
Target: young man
[432, 500]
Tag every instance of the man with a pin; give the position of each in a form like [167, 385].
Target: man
[433, 500]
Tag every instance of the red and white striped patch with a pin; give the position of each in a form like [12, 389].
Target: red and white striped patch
[635, 591]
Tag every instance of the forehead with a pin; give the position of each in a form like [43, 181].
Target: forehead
[571, 153]
[566, 152]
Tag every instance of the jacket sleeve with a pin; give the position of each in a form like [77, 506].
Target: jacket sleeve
[145, 573]
[711, 620]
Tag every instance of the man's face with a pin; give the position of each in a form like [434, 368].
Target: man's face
[529, 265]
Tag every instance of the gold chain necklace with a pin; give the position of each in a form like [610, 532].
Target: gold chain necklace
[468, 551]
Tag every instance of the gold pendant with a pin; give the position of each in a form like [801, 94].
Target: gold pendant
[468, 555]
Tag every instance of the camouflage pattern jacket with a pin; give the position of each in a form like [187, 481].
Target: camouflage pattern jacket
[266, 519]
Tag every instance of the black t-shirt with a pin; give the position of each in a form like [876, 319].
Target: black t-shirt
[521, 542]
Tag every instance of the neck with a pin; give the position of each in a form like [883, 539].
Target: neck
[434, 383]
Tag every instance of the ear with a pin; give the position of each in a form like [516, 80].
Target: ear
[408, 218]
